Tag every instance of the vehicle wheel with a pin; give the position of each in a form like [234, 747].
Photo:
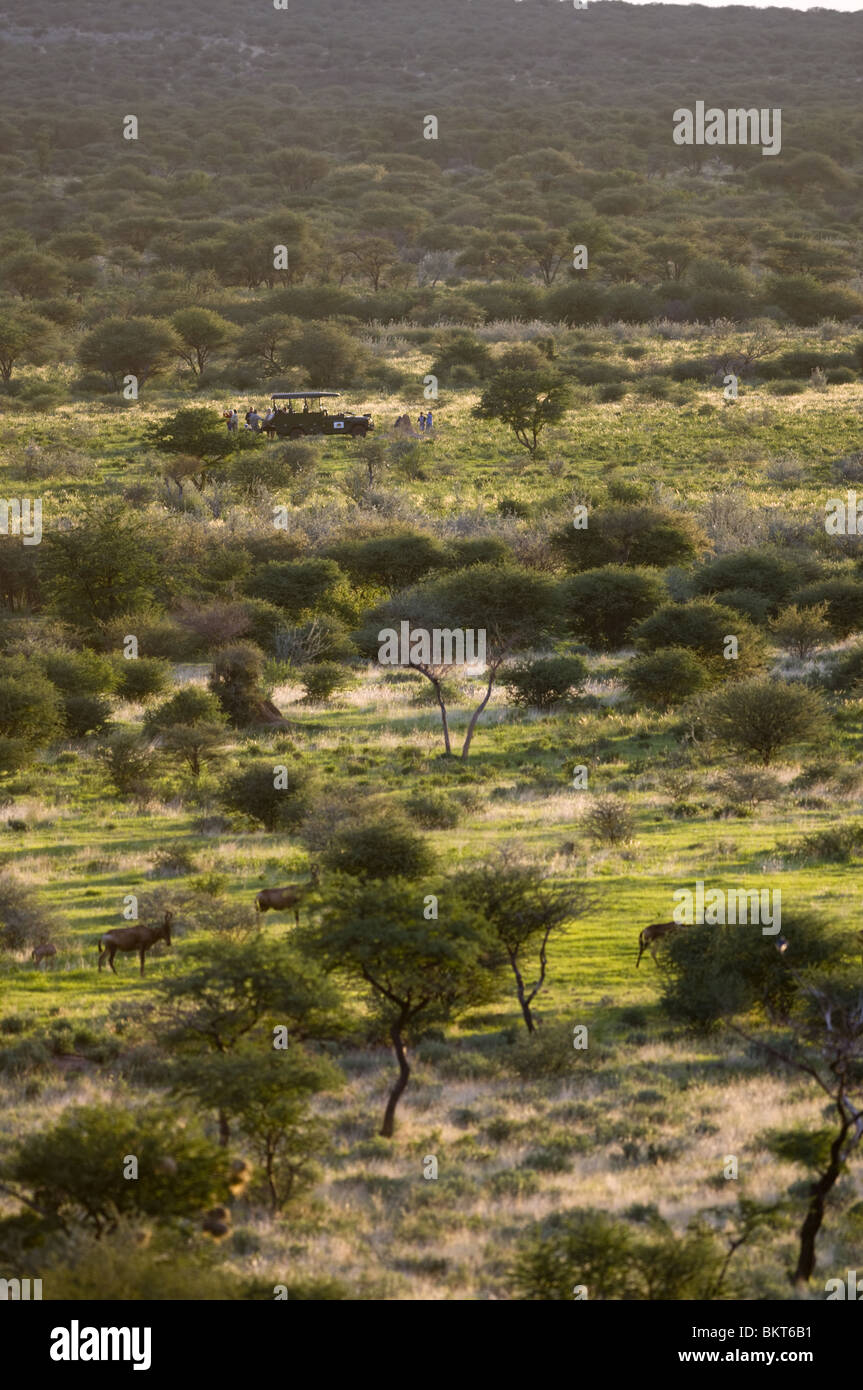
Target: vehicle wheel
[296, 433]
[357, 432]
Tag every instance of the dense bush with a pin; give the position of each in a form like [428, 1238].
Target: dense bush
[297, 587]
[24, 922]
[236, 681]
[601, 606]
[762, 716]
[143, 679]
[85, 714]
[190, 705]
[614, 1260]
[712, 971]
[844, 599]
[665, 677]
[379, 851]
[393, 561]
[324, 679]
[771, 574]
[254, 792]
[702, 626]
[433, 810]
[545, 682]
[634, 536]
[77, 1166]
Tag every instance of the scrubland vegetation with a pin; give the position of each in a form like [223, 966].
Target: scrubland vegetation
[446, 1079]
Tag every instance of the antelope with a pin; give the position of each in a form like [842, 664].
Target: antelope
[649, 936]
[138, 939]
[278, 899]
[44, 952]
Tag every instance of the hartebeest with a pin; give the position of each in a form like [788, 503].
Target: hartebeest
[649, 936]
[138, 939]
[44, 952]
[279, 899]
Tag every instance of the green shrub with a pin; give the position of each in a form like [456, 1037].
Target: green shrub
[391, 561]
[631, 536]
[85, 714]
[297, 586]
[846, 673]
[121, 1267]
[253, 792]
[190, 705]
[324, 678]
[836, 844]
[24, 922]
[710, 972]
[613, 1261]
[76, 1165]
[610, 391]
[750, 604]
[609, 821]
[433, 810]
[79, 673]
[143, 678]
[666, 677]
[844, 599]
[513, 1185]
[762, 716]
[770, 573]
[545, 682]
[601, 606]
[128, 759]
[702, 627]
[379, 851]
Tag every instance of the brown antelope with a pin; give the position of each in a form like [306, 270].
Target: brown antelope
[44, 952]
[649, 936]
[279, 899]
[138, 939]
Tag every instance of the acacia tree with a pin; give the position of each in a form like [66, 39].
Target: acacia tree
[136, 346]
[266, 1092]
[514, 607]
[813, 1000]
[233, 988]
[415, 972]
[103, 565]
[24, 337]
[201, 333]
[825, 1043]
[522, 909]
[526, 399]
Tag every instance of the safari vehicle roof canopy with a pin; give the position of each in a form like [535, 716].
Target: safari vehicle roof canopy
[301, 395]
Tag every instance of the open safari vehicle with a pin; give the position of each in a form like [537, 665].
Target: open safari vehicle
[299, 413]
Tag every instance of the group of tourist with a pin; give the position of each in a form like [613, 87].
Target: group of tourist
[253, 420]
[425, 424]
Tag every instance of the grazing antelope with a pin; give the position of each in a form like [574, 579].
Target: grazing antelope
[649, 936]
[138, 939]
[44, 952]
[278, 899]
